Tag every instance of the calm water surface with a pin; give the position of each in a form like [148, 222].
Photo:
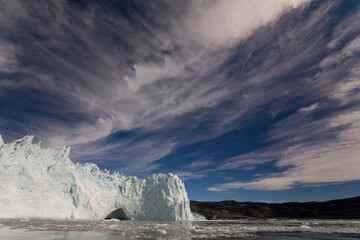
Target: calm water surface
[49, 229]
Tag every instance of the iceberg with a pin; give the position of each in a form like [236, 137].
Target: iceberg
[40, 182]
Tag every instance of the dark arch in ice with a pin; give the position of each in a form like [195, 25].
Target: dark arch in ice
[118, 214]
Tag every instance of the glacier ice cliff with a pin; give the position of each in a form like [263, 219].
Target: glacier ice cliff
[40, 182]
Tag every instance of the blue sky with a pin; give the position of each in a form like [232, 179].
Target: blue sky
[244, 100]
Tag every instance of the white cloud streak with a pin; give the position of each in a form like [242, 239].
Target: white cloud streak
[218, 23]
[309, 108]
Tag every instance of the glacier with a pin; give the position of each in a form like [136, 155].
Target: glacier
[38, 182]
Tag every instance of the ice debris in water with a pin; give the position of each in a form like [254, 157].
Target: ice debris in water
[44, 183]
[237, 229]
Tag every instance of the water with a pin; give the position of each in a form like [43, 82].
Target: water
[49, 229]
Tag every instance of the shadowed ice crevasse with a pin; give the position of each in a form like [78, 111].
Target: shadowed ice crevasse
[40, 182]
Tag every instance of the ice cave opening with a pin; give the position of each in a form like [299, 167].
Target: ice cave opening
[118, 214]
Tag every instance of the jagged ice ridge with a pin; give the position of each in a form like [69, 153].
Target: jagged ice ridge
[40, 182]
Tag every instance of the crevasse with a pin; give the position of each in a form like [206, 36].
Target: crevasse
[40, 182]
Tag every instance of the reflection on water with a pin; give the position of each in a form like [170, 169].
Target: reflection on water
[50, 229]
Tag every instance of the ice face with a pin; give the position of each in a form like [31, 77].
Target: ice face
[44, 183]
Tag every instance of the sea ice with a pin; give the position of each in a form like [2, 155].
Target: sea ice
[40, 182]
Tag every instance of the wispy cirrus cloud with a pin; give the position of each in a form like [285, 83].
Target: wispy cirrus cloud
[171, 74]
[312, 150]
[89, 71]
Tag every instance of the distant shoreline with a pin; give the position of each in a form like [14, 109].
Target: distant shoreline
[348, 208]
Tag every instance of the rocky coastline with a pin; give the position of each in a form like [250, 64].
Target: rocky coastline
[348, 208]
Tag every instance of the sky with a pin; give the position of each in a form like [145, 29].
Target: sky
[244, 100]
